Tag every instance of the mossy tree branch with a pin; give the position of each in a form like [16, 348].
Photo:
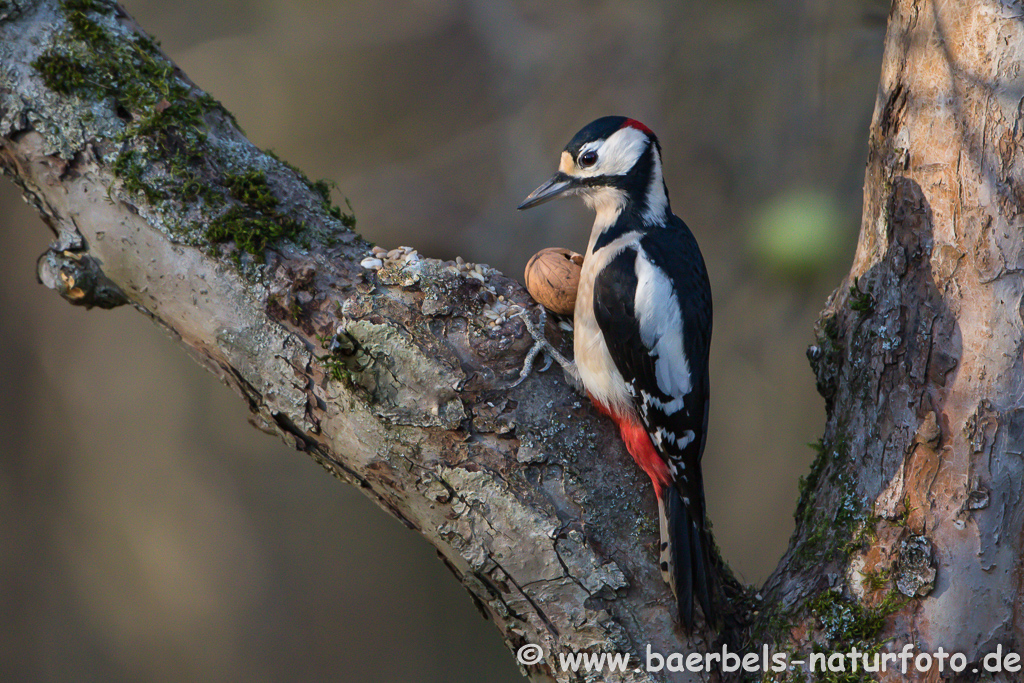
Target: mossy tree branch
[394, 379]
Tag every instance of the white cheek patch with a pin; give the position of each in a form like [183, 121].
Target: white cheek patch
[615, 155]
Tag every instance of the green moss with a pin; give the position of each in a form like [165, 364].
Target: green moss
[844, 624]
[255, 224]
[877, 579]
[831, 537]
[64, 74]
[165, 152]
[88, 60]
[826, 532]
[336, 370]
[840, 624]
[251, 189]
[164, 119]
[830, 329]
[210, 103]
[771, 624]
[807, 486]
[861, 302]
[287, 164]
[165, 156]
[845, 621]
[334, 362]
[347, 219]
[131, 168]
[904, 516]
[177, 123]
[252, 234]
[87, 30]
[322, 188]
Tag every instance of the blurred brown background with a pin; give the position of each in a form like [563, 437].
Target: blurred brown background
[147, 533]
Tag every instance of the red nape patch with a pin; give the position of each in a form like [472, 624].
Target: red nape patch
[639, 445]
[633, 123]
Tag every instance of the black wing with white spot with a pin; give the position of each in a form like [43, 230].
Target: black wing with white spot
[653, 305]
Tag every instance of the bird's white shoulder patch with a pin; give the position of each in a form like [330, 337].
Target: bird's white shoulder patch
[661, 330]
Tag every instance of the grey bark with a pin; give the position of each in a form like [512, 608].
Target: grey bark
[919, 352]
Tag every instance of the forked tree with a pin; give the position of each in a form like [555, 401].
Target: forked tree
[395, 374]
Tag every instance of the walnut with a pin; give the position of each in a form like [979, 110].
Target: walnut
[552, 277]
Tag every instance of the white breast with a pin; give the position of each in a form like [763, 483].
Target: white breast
[597, 369]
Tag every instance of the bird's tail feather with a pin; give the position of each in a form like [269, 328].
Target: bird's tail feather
[686, 558]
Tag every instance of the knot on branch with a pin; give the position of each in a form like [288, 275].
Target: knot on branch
[78, 278]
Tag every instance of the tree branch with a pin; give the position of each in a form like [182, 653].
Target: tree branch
[395, 379]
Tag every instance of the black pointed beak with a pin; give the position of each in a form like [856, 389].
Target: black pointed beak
[554, 187]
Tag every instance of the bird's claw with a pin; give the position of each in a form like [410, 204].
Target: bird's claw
[542, 345]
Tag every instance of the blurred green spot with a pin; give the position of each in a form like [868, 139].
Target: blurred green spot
[798, 234]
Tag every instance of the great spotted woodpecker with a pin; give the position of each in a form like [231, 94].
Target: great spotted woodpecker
[642, 330]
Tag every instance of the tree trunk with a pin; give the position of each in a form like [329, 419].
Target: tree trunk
[394, 373]
[918, 356]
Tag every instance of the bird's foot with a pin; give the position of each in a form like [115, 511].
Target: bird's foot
[542, 345]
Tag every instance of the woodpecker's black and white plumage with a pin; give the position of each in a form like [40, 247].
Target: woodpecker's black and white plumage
[642, 331]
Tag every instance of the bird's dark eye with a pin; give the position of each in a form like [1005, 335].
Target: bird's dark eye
[588, 159]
